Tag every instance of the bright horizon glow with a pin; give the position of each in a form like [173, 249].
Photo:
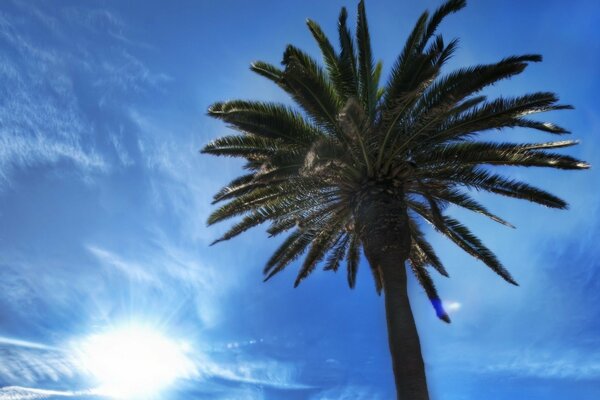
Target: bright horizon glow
[135, 361]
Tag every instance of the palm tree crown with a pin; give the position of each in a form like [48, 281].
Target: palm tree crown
[415, 138]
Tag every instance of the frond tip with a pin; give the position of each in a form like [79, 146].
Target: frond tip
[440, 311]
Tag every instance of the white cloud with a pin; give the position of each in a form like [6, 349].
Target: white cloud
[244, 393]
[260, 372]
[42, 116]
[554, 364]
[452, 306]
[40, 120]
[350, 392]
[24, 343]
[134, 271]
[173, 270]
[21, 364]
[128, 73]
[180, 180]
[23, 152]
[24, 393]
[122, 154]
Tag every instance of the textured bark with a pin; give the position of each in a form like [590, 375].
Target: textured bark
[383, 227]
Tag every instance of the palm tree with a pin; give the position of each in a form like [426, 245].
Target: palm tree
[359, 165]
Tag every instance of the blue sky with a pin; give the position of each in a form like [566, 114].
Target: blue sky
[104, 198]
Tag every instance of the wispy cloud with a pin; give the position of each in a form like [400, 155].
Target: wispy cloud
[552, 364]
[122, 153]
[35, 363]
[132, 270]
[241, 393]
[17, 151]
[128, 73]
[24, 361]
[102, 21]
[172, 270]
[350, 392]
[24, 393]
[258, 372]
[179, 178]
[24, 343]
[40, 119]
[44, 114]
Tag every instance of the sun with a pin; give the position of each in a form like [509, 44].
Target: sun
[135, 362]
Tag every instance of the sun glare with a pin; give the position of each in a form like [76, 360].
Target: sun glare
[135, 362]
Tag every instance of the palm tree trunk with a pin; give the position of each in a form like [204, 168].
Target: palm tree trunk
[407, 361]
[383, 227]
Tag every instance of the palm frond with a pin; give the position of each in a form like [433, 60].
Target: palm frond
[338, 252]
[237, 185]
[417, 264]
[492, 153]
[366, 73]
[245, 146]
[319, 247]
[285, 194]
[421, 245]
[462, 237]
[306, 214]
[480, 179]
[401, 70]
[268, 71]
[308, 85]
[498, 114]
[292, 248]
[348, 70]
[270, 120]
[465, 201]
[449, 7]
[352, 260]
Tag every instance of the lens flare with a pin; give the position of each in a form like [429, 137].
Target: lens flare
[135, 362]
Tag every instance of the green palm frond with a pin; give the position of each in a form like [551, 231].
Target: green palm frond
[329, 56]
[239, 185]
[402, 70]
[245, 146]
[463, 238]
[417, 264]
[438, 16]
[268, 71]
[491, 153]
[309, 86]
[497, 114]
[295, 244]
[454, 87]
[306, 214]
[454, 196]
[421, 245]
[366, 72]
[480, 179]
[352, 260]
[348, 73]
[268, 120]
[319, 247]
[338, 252]
[287, 194]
